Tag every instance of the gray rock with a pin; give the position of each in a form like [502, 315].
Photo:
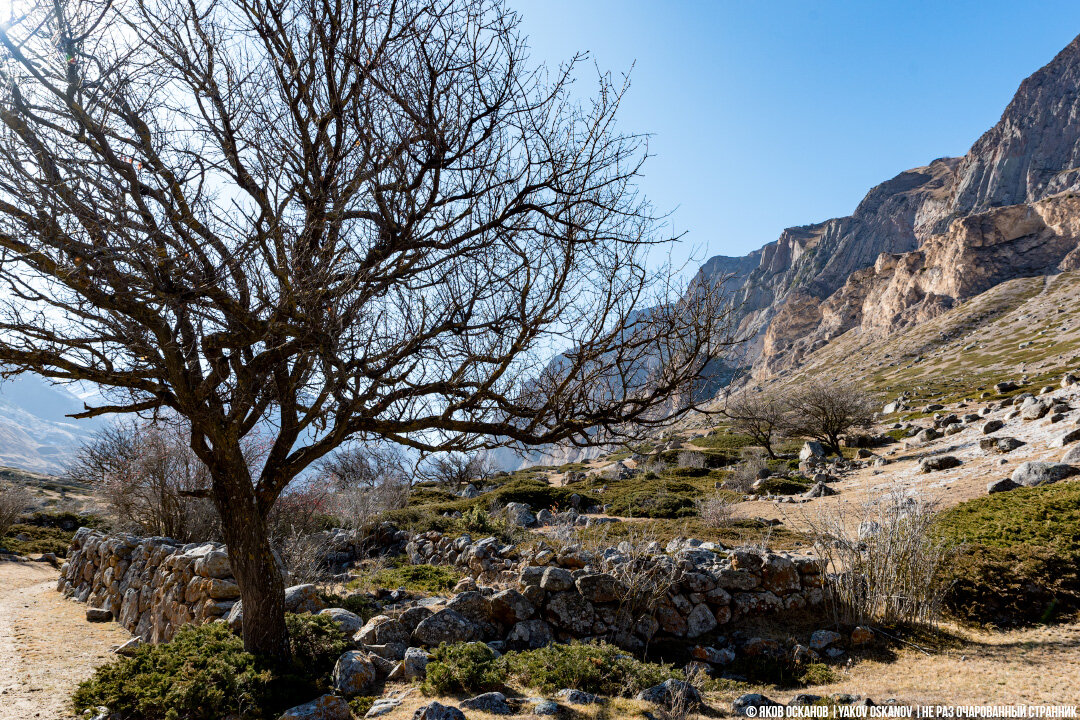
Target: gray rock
[438, 711]
[600, 588]
[94, 614]
[412, 617]
[303, 599]
[1032, 474]
[1033, 409]
[803, 700]
[470, 492]
[1072, 456]
[530, 635]
[670, 693]
[544, 707]
[445, 626]
[510, 607]
[820, 489]
[353, 673]
[381, 630]
[382, 706]
[349, 622]
[490, 702]
[821, 639]
[1002, 485]
[571, 612]
[701, 620]
[811, 449]
[925, 436]
[1000, 445]
[1066, 439]
[520, 514]
[327, 707]
[578, 697]
[555, 579]
[939, 462]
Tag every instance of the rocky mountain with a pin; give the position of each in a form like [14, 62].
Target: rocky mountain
[928, 237]
[35, 432]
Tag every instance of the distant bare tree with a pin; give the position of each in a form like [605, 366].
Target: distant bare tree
[364, 219]
[827, 411]
[367, 480]
[456, 469]
[14, 501]
[760, 415]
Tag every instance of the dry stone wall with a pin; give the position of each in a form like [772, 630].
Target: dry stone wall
[687, 590]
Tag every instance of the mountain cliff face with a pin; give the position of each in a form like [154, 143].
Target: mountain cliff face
[928, 237]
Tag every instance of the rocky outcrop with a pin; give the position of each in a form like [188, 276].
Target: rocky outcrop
[927, 238]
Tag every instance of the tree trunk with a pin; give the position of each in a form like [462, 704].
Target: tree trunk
[262, 588]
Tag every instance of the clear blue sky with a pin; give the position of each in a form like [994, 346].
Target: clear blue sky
[780, 113]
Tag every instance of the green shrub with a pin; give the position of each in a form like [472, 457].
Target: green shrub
[317, 642]
[418, 578]
[39, 539]
[463, 668]
[721, 439]
[653, 497]
[776, 485]
[592, 667]
[783, 671]
[203, 674]
[357, 603]
[688, 472]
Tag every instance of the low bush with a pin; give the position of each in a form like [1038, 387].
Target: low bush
[36, 539]
[358, 603]
[418, 578]
[463, 668]
[592, 667]
[780, 485]
[722, 439]
[1046, 516]
[653, 497]
[783, 671]
[205, 674]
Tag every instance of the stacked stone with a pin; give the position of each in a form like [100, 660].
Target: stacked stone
[151, 586]
[484, 559]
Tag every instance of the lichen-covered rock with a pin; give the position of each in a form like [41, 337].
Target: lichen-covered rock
[600, 588]
[303, 599]
[349, 622]
[670, 693]
[571, 612]
[353, 673]
[327, 707]
[510, 607]
[529, 635]
[556, 579]
[438, 711]
[489, 702]
[1033, 474]
[701, 620]
[445, 626]
[381, 630]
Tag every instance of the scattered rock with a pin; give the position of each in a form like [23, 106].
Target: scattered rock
[327, 707]
[303, 599]
[670, 693]
[1066, 439]
[1032, 474]
[578, 697]
[490, 702]
[349, 622]
[861, 635]
[991, 426]
[438, 711]
[939, 462]
[1002, 485]
[381, 630]
[822, 639]
[811, 449]
[94, 614]
[445, 626]
[353, 672]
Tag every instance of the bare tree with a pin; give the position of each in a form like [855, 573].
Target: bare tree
[458, 469]
[14, 501]
[358, 218]
[150, 479]
[826, 411]
[759, 415]
[367, 480]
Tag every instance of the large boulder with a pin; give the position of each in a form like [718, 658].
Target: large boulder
[353, 673]
[600, 588]
[529, 635]
[520, 514]
[493, 703]
[811, 449]
[939, 462]
[445, 626]
[381, 630]
[556, 579]
[327, 707]
[303, 599]
[1032, 474]
[348, 622]
[991, 426]
[438, 711]
[571, 612]
[671, 693]
[1072, 456]
[701, 620]
[1033, 409]
[510, 607]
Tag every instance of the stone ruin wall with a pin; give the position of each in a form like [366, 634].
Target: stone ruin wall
[152, 586]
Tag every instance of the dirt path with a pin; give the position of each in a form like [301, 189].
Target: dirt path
[46, 645]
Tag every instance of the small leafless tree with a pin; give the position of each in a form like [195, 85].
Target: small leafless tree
[458, 469]
[14, 501]
[715, 510]
[762, 416]
[150, 479]
[359, 219]
[827, 411]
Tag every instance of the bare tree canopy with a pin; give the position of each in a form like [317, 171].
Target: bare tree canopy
[354, 218]
[826, 411]
[761, 415]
